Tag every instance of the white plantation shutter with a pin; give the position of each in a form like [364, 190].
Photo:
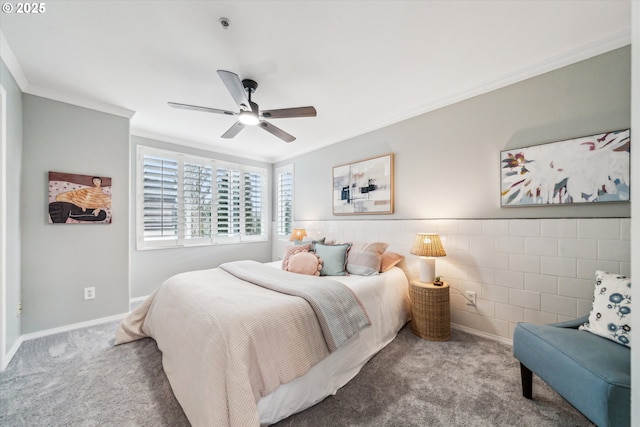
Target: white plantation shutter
[284, 199]
[228, 201]
[197, 198]
[253, 198]
[193, 201]
[160, 198]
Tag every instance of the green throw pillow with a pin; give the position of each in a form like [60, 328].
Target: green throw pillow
[334, 258]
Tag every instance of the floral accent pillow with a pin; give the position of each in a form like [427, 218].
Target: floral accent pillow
[610, 315]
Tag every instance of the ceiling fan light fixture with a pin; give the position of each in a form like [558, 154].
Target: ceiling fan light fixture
[250, 113]
[248, 118]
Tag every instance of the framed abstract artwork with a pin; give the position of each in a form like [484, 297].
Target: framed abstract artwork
[364, 187]
[79, 199]
[582, 170]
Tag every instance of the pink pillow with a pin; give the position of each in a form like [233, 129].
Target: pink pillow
[289, 251]
[305, 263]
[389, 259]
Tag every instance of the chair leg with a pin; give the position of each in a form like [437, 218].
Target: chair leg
[527, 381]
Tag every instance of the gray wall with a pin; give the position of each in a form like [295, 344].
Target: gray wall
[447, 161]
[149, 268]
[14, 167]
[60, 260]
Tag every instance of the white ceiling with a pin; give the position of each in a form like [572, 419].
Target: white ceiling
[362, 64]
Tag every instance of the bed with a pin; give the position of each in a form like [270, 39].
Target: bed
[240, 354]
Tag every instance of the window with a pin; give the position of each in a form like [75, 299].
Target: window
[228, 201]
[186, 200]
[284, 196]
[197, 196]
[160, 206]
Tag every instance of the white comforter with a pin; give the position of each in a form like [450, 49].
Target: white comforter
[260, 342]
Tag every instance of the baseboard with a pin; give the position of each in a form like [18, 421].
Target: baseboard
[137, 299]
[16, 346]
[72, 327]
[12, 352]
[492, 337]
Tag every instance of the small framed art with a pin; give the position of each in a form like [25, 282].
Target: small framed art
[79, 199]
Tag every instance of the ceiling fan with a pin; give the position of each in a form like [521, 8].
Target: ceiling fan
[250, 114]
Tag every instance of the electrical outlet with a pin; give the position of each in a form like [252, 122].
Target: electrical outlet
[471, 298]
[19, 309]
[89, 293]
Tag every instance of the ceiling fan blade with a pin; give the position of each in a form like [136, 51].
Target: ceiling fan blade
[235, 88]
[233, 130]
[274, 130]
[289, 112]
[197, 108]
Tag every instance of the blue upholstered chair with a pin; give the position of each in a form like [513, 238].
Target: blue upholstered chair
[590, 372]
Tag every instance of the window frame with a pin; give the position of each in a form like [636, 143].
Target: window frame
[145, 243]
[284, 170]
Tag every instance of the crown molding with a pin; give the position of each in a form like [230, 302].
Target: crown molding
[141, 133]
[79, 101]
[586, 51]
[6, 53]
[581, 53]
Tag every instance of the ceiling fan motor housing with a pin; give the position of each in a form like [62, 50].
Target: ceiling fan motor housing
[249, 85]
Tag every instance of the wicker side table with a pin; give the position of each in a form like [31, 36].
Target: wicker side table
[430, 310]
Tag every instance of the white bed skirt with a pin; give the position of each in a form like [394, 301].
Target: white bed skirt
[386, 300]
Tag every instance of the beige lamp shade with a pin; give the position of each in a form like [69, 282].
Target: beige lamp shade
[427, 246]
[298, 234]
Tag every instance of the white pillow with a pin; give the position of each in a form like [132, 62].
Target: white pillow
[610, 315]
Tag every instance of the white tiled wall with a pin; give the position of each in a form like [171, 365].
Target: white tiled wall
[533, 270]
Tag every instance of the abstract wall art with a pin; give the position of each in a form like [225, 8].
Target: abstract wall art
[582, 170]
[364, 187]
[77, 199]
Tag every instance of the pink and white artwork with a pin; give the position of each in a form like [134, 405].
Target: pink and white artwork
[364, 187]
[588, 169]
[76, 199]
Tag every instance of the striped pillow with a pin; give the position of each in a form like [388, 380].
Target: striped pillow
[364, 259]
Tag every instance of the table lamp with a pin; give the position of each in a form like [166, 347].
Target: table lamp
[427, 246]
[298, 234]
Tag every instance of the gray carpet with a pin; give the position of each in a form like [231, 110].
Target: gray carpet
[80, 379]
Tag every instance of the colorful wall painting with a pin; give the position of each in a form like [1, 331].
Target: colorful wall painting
[79, 199]
[582, 170]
